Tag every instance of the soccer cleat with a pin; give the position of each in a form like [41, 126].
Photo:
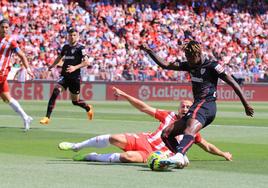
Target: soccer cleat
[86, 157]
[27, 123]
[90, 113]
[174, 161]
[44, 121]
[186, 161]
[67, 146]
[80, 157]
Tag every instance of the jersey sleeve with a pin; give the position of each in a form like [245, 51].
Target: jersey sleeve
[14, 46]
[62, 52]
[83, 51]
[182, 65]
[197, 138]
[217, 69]
[161, 115]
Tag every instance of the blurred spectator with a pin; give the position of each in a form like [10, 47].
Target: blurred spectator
[233, 32]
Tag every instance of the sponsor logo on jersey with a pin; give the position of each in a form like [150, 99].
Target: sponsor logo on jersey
[202, 71]
[69, 57]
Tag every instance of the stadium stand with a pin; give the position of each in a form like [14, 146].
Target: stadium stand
[233, 32]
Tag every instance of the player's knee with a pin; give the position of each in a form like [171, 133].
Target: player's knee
[113, 139]
[75, 102]
[193, 126]
[5, 100]
[190, 131]
[56, 91]
[127, 157]
[164, 135]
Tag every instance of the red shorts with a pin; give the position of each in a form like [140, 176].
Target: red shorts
[139, 143]
[4, 86]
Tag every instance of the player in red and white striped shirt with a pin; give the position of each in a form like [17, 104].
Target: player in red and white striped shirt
[8, 46]
[139, 146]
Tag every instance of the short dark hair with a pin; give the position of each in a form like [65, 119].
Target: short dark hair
[4, 21]
[72, 30]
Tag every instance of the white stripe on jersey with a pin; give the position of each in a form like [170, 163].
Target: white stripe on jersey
[158, 132]
[4, 55]
[159, 146]
[219, 69]
[155, 138]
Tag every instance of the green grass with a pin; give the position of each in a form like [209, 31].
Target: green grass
[32, 159]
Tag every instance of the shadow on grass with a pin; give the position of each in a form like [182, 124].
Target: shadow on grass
[93, 163]
[18, 128]
[70, 161]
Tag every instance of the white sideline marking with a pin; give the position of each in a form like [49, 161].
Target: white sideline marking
[83, 119]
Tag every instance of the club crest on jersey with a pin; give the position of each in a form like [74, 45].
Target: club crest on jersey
[202, 71]
[73, 50]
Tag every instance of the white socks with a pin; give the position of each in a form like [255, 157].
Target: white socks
[17, 108]
[96, 142]
[109, 157]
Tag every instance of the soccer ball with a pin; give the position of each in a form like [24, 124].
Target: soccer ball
[153, 161]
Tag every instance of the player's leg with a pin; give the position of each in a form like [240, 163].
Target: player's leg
[78, 102]
[100, 141]
[51, 103]
[125, 157]
[74, 87]
[136, 149]
[14, 104]
[178, 160]
[193, 126]
[107, 157]
[132, 157]
[170, 132]
[203, 114]
[200, 114]
[119, 140]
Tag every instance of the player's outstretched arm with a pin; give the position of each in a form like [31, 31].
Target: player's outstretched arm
[25, 63]
[140, 105]
[57, 60]
[229, 80]
[159, 61]
[210, 148]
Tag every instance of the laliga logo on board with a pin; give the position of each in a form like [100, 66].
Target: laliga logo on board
[144, 92]
[164, 92]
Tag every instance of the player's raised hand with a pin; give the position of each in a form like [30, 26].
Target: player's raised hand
[249, 110]
[117, 92]
[30, 73]
[144, 47]
[70, 69]
[228, 156]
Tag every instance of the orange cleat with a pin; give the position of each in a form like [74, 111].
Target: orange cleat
[44, 121]
[90, 113]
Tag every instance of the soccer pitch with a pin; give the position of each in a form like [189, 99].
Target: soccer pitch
[32, 159]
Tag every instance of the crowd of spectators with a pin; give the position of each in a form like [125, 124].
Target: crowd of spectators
[233, 32]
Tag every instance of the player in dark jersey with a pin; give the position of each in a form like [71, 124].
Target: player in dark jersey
[204, 76]
[74, 59]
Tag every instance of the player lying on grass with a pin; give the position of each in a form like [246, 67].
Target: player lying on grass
[137, 147]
